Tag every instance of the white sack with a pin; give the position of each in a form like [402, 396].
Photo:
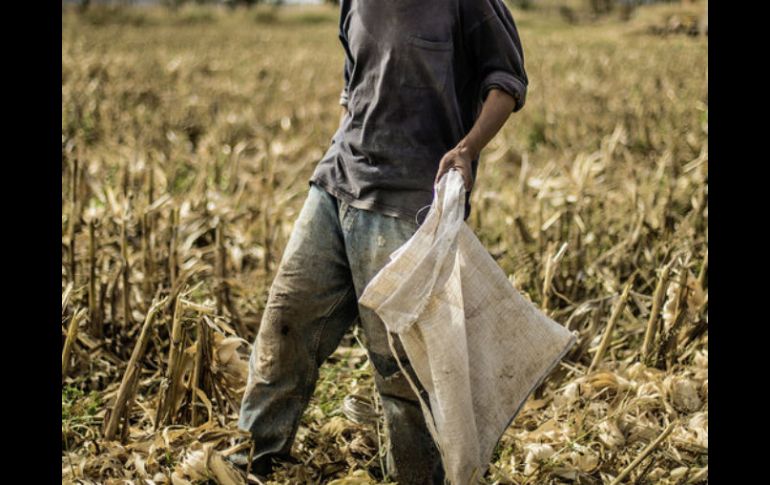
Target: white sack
[478, 347]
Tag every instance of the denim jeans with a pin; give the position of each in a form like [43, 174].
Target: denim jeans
[333, 252]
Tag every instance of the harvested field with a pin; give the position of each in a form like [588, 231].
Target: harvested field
[187, 142]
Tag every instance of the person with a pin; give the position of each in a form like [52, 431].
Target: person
[427, 84]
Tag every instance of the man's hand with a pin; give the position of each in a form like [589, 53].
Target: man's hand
[497, 106]
[459, 157]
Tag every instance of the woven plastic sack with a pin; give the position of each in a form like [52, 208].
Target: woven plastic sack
[477, 346]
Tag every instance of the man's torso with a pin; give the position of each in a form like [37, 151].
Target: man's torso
[403, 113]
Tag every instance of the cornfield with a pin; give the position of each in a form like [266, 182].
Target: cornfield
[187, 141]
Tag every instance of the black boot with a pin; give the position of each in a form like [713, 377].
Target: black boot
[260, 467]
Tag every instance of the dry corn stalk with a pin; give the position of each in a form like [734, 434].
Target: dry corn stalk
[610, 326]
[128, 383]
[667, 349]
[65, 297]
[125, 271]
[147, 259]
[201, 368]
[541, 236]
[221, 269]
[646, 451]
[150, 182]
[178, 363]
[522, 228]
[113, 288]
[224, 299]
[93, 301]
[72, 333]
[552, 261]
[172, 257]
[167, 398]
[126, 179]
[73, 218]
[652, 322]
[588, 334]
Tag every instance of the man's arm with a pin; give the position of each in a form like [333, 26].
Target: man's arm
[495, 111]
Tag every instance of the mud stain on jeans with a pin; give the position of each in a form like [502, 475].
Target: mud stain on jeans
[269, 341]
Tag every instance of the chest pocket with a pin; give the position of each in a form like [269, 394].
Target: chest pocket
[425, 63]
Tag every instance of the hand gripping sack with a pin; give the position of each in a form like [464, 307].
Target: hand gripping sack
[478, 347]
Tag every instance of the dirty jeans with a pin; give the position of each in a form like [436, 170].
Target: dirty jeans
[333, 252]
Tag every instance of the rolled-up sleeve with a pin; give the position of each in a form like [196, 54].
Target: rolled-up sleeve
[494, 48]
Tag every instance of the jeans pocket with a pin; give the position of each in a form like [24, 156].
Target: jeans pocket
[348, 216]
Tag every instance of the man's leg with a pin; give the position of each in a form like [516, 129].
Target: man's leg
[310, 306]
[412, 458]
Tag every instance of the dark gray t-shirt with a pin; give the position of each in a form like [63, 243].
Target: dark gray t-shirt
[416, 73]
